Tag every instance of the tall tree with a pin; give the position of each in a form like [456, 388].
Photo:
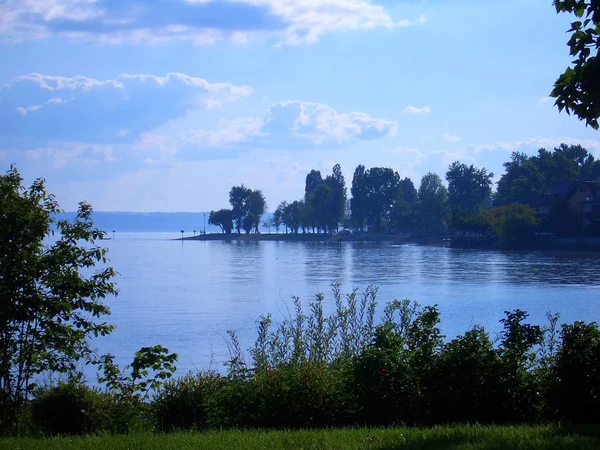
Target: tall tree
[469, 188]
[278, 216]
[293, 215]
[321, 201]
[50, 302]
[238, 199]
[257, 206]
[358, 202]
[222, 218]
[405, 205]
[313, 179]
[433, 203]
[338, 187]
[577, 90]
[381, 192]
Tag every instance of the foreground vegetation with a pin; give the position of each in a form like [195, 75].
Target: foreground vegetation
[464, 438]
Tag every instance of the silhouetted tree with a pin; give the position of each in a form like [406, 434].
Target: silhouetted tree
[257, 206]
[433, 203]
[238, 199]
[358, 202]
[222, 218]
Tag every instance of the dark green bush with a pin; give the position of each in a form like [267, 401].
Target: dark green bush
[575, 396]
[69, 409]
[182, 403]
[467, 380]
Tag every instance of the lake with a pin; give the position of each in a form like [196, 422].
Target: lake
[186, 295]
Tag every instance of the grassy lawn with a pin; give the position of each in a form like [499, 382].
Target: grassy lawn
[547, 437]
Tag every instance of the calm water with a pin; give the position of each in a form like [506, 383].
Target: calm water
[185, 296]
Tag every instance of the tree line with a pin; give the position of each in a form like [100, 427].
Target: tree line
[383, 202]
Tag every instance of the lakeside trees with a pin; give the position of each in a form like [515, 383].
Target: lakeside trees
[222, 218]
[383, 202]
[247, 207]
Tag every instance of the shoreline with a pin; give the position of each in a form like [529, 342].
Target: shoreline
[393, 239]
[310, 237]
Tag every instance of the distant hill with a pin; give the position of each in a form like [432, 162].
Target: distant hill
[151, 222]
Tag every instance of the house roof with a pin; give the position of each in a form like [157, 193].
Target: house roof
[563, 188]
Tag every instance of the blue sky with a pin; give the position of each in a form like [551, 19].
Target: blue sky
[164, 105]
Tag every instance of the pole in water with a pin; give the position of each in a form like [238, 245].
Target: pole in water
[113, 235]
[182, 234]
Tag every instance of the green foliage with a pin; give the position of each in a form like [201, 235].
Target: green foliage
[183, 404]
[528, 178]
[433, 203]
[222, 218]
[514, 223]
[49, 307]
[358, 202]
[151, 366]
[562, 220]
[324, 200]
[575, 394]
[247, 208]
[69, 409]
[469, 188]
[578, 88]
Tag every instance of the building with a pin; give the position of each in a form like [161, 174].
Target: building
[582, 196]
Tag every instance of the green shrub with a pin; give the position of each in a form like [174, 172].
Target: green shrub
[575, 396]
[467, 380]
[393, 376]
[69, 409]
[181, 404]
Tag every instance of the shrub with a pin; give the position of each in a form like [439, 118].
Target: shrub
[467, 380]
[392, 376]
[181, 404]
[69, 409]
[575, 396]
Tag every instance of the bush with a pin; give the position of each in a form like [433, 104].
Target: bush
[181, 404]
[69, 409]
[467, 380]
[575, 396]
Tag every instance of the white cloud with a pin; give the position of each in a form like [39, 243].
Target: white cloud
[56, 83]
[322, 124]
[72, 153]
[413, 152]
[100, 109]
[218, 93]
[309, 20]
[285, 125]
[450, 138]
[537, 143]
[414, 110]
[24, 110]
[289, 22]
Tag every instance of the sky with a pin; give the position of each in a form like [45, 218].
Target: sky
[164, 105]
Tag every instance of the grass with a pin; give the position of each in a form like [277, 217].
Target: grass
[456, 438]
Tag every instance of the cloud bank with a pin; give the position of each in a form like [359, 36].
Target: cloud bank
[288, 22]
